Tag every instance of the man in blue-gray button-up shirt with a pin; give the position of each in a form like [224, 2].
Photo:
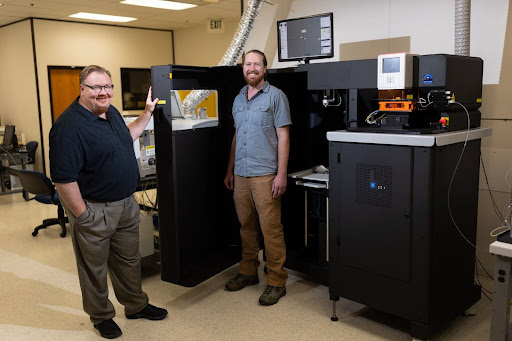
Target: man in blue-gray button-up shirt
[257, 173]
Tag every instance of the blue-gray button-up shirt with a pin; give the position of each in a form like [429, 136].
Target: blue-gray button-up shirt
[256, 121]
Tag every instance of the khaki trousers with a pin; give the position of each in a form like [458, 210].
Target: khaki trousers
[106, 237]
[254, 202]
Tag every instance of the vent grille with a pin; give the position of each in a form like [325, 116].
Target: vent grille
[374, 185]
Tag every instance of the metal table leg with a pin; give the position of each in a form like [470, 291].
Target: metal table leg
[2, 177]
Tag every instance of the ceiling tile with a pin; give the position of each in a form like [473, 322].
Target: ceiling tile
[15, 10]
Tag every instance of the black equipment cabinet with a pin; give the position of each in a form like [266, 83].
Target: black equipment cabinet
[199, 233]
[393, 245]
[199, 229]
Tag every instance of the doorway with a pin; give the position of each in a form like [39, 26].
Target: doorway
[64, 87]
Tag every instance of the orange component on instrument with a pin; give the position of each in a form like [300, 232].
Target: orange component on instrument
[396, 106]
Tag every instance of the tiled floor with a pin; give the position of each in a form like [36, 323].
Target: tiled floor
[40, 299]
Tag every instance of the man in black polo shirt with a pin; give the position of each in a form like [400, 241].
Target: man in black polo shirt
[94, 168]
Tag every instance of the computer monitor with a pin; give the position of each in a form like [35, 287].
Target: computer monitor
[9, 140]
[135, 84]
[303, 39]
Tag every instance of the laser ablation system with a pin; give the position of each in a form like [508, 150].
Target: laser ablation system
[378, 229]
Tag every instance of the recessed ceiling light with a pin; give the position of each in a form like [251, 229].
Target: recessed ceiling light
[101, 17]
[177, 6]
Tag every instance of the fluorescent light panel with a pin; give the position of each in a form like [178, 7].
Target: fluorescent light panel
[101, 17]
[176, 6]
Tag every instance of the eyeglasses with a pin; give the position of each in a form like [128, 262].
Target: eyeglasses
[98, 88]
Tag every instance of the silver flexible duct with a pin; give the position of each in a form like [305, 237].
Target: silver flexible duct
[233, 53]
[462, 27]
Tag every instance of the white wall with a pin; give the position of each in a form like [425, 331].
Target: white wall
[18, 101]
[430, 24]
[69, 44]
[195, 46]
[431, 27]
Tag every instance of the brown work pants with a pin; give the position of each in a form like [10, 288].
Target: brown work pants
[253, 202]
[106, 237]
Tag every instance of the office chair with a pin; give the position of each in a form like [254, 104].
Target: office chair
[31, 151]
[37, 183]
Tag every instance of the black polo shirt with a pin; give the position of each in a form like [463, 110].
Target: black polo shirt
[96, 153]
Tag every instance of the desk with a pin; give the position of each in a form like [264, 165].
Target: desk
[502, 287]
[20, 158]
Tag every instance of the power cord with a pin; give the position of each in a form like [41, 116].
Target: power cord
[453, 177]
[151, 202]
[507, 224]
[482, 289]
[477, 281]
[143, 203]
[375, 121]
[494, 204]
[422, 101]
[482, 266]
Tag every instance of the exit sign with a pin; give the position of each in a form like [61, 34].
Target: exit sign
[215, 26]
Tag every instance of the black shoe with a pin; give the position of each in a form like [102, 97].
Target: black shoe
[241, 281]
[108, 329]
[150, 312]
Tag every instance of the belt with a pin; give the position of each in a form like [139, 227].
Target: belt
[108, 203]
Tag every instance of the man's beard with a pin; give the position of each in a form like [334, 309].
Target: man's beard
[253, 81]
